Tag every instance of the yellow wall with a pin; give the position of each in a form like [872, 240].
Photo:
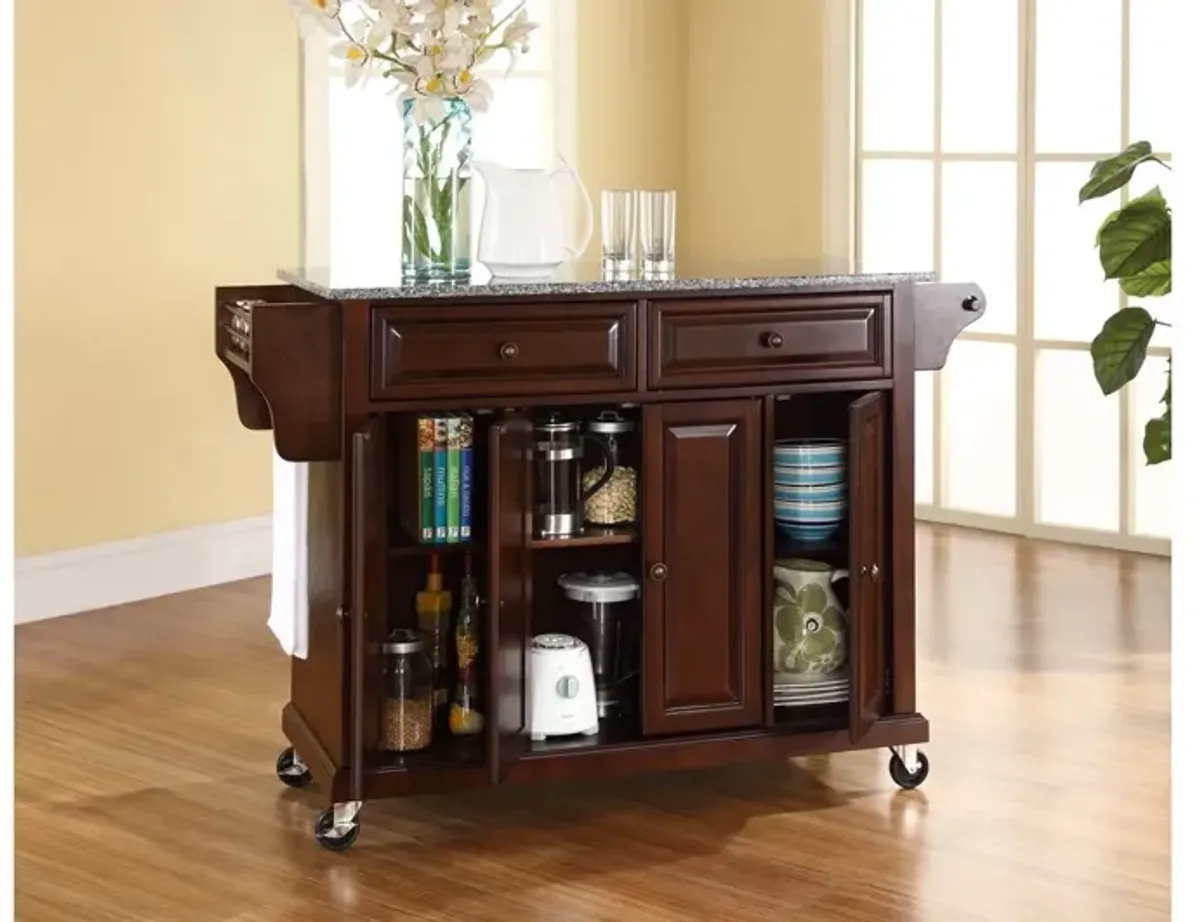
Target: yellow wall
[753, 131]
[157, 155]
[630, 113]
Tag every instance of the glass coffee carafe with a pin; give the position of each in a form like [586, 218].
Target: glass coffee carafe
[558, 466]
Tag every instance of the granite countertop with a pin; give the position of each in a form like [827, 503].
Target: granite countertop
[385, 283]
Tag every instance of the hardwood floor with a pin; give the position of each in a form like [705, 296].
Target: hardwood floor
[145, 786]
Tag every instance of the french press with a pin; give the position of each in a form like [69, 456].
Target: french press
[558, 462]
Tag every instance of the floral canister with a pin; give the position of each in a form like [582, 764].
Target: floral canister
[811, 628]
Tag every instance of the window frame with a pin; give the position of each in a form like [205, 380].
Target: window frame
[558, 69]
[844, 157]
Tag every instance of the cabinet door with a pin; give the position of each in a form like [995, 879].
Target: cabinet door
[509, 589]
[368, 587]
[868, 477]
[702, 653]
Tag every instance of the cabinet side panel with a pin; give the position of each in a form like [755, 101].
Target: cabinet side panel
[318, 682]
[901, 568]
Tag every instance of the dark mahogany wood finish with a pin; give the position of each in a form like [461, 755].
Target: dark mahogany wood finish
[701, 648]
[730, 341]
[712, 376]
[512, 350]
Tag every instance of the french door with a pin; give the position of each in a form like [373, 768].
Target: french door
[977, 122]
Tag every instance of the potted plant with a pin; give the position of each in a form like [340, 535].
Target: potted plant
[1134, 245]
[431, 50]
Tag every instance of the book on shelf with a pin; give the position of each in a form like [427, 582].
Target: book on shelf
[453, 475]
[466, 452]
[439, 479]
[425, 440]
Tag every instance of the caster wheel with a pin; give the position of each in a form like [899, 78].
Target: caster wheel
[327, 839]
[903, 777]
[291, 771]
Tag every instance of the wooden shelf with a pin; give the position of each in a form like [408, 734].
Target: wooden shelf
[591, 537]
[423, 550]
[616, 731]
[448, 752]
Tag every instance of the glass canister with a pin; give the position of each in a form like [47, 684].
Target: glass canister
[558, 463]
[407, 691]
[616, 500]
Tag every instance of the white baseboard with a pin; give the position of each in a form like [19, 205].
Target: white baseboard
[81, 579]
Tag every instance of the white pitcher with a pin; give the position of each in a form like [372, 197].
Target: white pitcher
[810, 624]
[523, 234]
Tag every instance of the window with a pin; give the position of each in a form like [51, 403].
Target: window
[354, 140]
[978, 121]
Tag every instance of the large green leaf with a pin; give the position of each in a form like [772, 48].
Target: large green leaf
[1157, 441]
[1119, 349]
[1111, 174]
[1152, 282]
[1136, 236]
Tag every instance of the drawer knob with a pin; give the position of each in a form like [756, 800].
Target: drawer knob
[658, 572]
[509, 351]
[774, 340]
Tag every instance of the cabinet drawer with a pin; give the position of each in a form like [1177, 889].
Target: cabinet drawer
[503, 350]
[730, 341]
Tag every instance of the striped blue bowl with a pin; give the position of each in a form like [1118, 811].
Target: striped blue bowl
[810, 451]
[809, 476]
[809, 534]
[810, 513]
[823, 492]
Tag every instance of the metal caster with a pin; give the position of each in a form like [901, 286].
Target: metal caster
[906, 774]
[336, 829]
[291, 770]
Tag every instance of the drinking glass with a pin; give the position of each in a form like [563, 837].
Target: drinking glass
[618, 245]
[656, 217]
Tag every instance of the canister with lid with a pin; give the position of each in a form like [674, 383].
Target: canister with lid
[407, 691]
[616, 501]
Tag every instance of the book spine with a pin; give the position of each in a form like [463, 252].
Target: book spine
[466, 436]
[453, 450]
[425, 439]
[439, 480]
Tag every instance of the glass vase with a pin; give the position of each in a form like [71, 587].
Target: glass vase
[436, 242]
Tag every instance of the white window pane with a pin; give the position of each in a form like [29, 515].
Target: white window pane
[923, 455]
[1078, 77]
[979, 236]
[897, 216]
[979, 426]
[979, 75]
[515, 129]
[897, 75]
[1077, 448]
[1071, 298]
[1152, 483]
[1162, 308]
[366, 138]
[1153, 109]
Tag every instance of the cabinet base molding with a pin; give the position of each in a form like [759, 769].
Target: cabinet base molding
[117, 572]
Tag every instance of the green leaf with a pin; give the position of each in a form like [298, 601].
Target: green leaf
[1136, 236]
[1119, 349]
[1152, 282]
[785, 593]
[1157, 441]
[1111, 174]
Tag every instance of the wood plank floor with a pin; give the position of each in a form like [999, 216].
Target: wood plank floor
[145, 787]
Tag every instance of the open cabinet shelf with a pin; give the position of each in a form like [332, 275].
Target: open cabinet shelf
[593, 536]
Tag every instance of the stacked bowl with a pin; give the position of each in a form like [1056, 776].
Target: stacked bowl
[810, 488]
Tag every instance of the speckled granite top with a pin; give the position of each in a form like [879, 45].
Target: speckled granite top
[387, 283]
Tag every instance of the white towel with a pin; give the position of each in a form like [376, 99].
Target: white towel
[289, 557]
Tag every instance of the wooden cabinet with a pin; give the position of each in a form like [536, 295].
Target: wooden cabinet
[701, 654]
[714, 380]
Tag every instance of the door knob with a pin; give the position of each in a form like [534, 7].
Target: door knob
[658, 572]
[509, 351]
[773, 340]
[871, 571]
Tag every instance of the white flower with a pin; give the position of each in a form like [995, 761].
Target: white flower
[476, 93]
[355, 56]
[324, 13]
[516, 36]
